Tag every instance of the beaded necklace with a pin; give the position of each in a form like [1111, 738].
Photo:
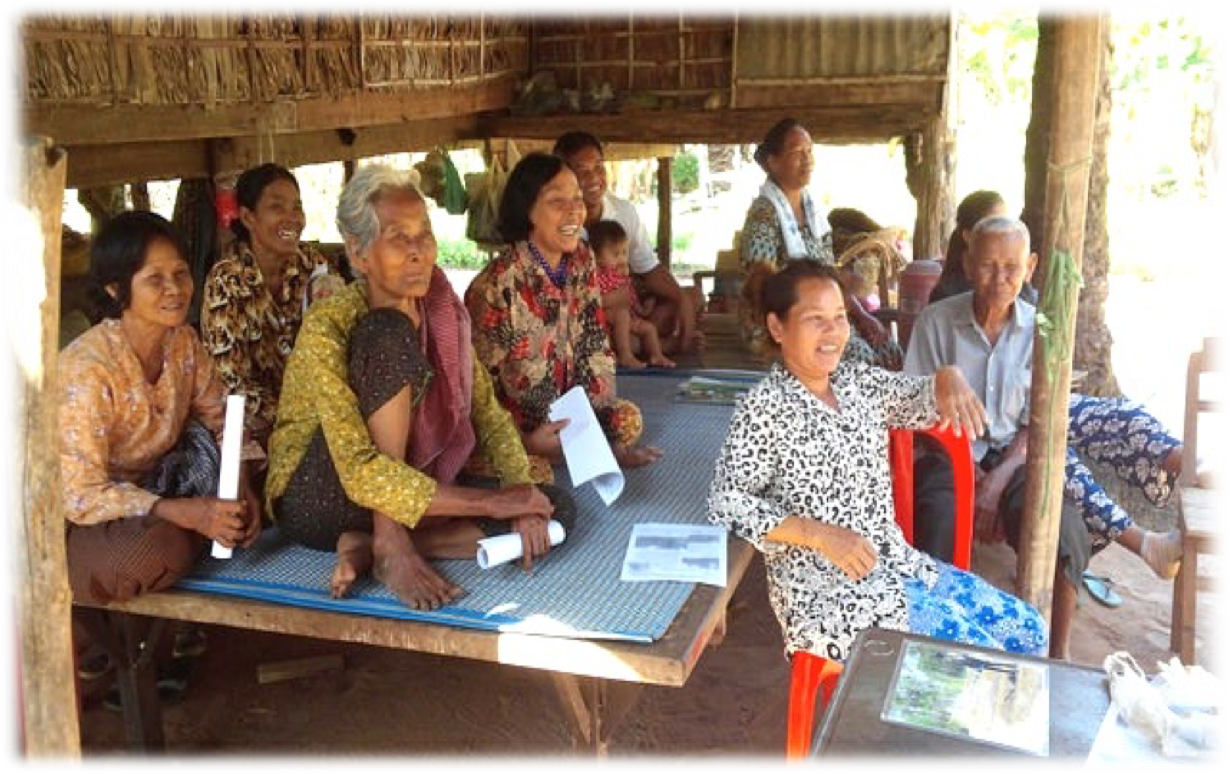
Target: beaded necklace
[558, 275]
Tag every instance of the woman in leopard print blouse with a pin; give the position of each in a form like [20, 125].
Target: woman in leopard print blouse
[803, 475]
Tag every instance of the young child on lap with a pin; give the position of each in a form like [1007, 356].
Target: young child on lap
[624, 313]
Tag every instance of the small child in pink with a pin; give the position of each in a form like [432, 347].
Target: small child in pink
[624, 313]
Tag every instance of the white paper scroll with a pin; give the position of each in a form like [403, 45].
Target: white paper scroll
[586, 449]
[232, 444]
[497, 550]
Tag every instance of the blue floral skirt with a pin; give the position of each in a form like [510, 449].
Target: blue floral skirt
[1120, 433]
[962, 607]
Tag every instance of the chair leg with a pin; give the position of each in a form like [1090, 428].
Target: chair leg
[1183, 605]
[808, 672]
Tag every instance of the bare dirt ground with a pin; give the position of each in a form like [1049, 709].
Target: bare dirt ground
[391, 703]
[394, 709]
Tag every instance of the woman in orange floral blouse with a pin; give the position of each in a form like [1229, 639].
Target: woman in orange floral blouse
[538, 319]
[140, 419]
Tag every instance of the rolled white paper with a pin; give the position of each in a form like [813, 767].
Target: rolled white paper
[497, 550]
[228, 477]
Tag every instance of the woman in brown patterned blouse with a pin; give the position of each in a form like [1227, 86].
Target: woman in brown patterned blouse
[256, 294]
[538, 319]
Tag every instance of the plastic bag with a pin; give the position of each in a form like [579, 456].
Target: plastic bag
[433, 177]
[484, 190]
[1176, 711]
[455, 197]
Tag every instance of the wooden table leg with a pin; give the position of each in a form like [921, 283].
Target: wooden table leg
[130, 641]
[136, 672]
[594, 708]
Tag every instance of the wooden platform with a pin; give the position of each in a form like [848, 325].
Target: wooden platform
[724, 346]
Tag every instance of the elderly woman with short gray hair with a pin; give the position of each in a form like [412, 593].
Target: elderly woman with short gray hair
[383, 404]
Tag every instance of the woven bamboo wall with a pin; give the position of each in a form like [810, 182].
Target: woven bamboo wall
[685, 59]
[842, 47]
[227, 59]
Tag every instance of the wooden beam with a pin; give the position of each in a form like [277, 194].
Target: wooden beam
[239, 153]
[1077, 57]
[844, 124]
[97, 166]
[48, 698]
[87, 124]
[611, 151]
[94, 166]
[924, 92]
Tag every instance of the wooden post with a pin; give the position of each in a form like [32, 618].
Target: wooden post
[930, 166]
[48, 693]
[734, 62]
[664, 211]
[929, 177]
[1077, 57]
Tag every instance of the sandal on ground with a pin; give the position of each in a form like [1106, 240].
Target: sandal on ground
[189, 642]
[95, 663]
[1099, 587]
[172, 685]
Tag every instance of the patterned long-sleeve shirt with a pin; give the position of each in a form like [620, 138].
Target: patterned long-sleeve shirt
[317, 394]
[115, 426]
[790, 454]
[248, 331]
[761, 240]
[539, 341]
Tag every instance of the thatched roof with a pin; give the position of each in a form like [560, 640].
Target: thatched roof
[221, 90]
[207, 61]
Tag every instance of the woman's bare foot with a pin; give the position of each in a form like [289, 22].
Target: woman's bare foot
[631, 362]
[354, 558]
[408, 575]
[661, 361]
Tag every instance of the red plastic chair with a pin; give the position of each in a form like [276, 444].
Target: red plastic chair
[809, 672]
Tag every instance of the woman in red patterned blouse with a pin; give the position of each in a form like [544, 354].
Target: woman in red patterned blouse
[538, 320]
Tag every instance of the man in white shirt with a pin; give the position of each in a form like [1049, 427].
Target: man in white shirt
[989, 334]
[674, 311]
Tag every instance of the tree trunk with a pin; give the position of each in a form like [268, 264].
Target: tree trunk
[197, 220]
[1037, 140]
[1092, 352]
[140, 196]
[103, 204]
[721, 160]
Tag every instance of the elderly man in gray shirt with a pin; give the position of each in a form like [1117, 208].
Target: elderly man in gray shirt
[988, 333]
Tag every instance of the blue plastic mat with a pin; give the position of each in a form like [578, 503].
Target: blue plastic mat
[575, 591]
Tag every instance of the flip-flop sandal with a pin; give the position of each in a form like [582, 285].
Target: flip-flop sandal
[1100, 589]
[171, 680]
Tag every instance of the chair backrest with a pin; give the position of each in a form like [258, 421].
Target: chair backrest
[1201, 362]
[901, 463]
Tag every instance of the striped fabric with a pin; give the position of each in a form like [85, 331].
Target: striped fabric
[443, 436]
